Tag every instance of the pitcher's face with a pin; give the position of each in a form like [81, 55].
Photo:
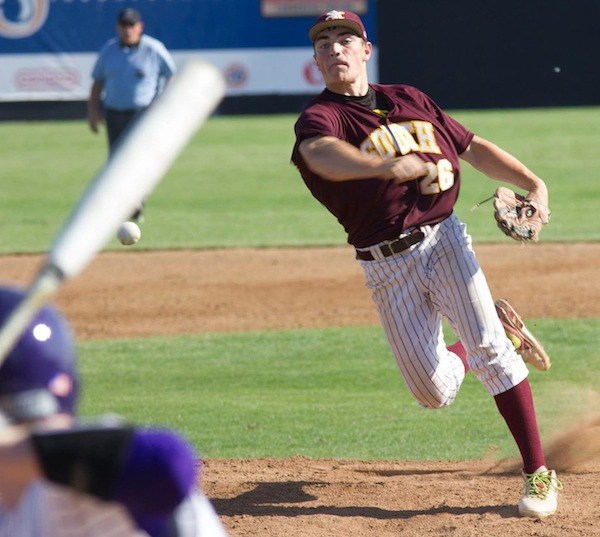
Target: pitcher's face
[341, 56]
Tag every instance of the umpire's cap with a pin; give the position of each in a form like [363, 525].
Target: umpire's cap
[39, 376]
[333, 18]
[129, 16]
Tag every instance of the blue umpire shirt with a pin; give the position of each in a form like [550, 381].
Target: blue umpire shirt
[132, 76]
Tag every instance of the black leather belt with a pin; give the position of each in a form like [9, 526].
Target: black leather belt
[394, 247]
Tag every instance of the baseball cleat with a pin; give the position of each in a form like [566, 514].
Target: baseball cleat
[541, 494]
[528, 347]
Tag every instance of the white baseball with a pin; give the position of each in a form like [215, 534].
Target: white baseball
[129, 233]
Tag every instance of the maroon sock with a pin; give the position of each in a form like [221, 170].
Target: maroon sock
[459, 349]
[516, 407]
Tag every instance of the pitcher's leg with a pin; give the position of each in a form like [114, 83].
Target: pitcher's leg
[413, 328]
[459, 290]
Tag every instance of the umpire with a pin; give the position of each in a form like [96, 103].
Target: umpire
[131, 70]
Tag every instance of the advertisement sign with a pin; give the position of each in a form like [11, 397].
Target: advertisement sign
[48, 47]
[312, 8]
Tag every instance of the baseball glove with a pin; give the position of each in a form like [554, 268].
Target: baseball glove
[518, 217]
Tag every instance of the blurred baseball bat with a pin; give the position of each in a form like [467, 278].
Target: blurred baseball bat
[128, 177]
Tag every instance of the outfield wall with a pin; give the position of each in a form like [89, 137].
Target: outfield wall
[48, 47]
[464, 53]
[493, 53]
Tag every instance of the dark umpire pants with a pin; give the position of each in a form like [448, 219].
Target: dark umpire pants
[117, 121]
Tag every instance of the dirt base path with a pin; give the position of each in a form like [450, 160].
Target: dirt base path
[137, 293]
[318, 498]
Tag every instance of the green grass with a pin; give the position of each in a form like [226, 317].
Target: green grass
[320, 393]
[234, 184]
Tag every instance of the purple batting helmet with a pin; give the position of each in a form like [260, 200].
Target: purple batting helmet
[39, 376]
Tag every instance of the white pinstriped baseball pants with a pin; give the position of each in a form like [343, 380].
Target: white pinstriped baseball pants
[413, 291]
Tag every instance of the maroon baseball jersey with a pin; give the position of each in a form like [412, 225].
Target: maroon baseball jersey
[405, 121]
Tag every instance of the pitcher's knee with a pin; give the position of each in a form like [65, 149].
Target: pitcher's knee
[433, 382]
[434, 399]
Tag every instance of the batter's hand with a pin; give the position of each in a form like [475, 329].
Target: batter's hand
[409, 167]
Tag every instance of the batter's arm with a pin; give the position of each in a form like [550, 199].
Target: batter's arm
[18, 464]
[498, 164]
[337, 160]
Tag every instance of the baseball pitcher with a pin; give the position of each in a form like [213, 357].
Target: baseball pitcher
[385, 161]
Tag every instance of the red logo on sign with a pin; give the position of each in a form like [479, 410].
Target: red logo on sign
[312, 75]
[47, 78]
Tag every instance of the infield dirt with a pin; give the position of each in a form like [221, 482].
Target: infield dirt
[133, 293]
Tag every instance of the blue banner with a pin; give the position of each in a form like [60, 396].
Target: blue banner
[75, 26]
